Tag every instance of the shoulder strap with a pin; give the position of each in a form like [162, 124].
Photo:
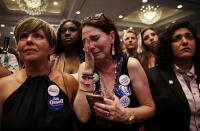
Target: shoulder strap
[69, 94]
[124, 64]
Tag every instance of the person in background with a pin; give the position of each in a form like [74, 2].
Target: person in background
[119, 79]
[3, 71]
[175, 80]
[147, 47]
[131, 42]
[20, 62]
[69, 50]
[13, 51]
[36, 97]
[7, 59]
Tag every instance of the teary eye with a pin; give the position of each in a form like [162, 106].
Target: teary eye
[95, 38]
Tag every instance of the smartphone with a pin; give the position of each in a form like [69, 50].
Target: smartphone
[92, 99]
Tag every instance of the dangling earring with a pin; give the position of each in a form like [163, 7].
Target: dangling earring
[113, 49]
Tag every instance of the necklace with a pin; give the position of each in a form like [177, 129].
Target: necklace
[100, 86]
[105, 91]
[122, 87]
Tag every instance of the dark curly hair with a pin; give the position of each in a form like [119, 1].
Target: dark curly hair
[164, 54]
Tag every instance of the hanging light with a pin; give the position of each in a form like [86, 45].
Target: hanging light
[33, 7]
[150, 14]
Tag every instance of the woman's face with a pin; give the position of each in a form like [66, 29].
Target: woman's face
[183, 44]
[69, 34]
[99, 41]
[34, 46]
[150, 38]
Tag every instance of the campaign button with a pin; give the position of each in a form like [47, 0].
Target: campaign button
[124, 80]
[53, 90]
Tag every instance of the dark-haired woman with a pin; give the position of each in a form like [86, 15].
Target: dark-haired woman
[69, 49]
[175, 81]
[120, 80]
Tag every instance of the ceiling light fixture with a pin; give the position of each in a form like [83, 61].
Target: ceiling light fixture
[121, 16]
[144, 1]
[180, 6]
[78, 12]
[2, 25]
[33, 7]
[55, 3]
[150, 14]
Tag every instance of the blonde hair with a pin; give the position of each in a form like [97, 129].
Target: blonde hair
[129, 31]
[32, 24]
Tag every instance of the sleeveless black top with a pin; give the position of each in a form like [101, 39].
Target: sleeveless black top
[38, 104]
[99, 124]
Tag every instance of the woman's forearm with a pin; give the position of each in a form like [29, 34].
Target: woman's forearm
[81, 106]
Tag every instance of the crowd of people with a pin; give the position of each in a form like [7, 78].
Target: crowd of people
[85, 78]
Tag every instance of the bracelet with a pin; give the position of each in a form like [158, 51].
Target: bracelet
[89, 81]
[85, 90]
[131, 118]
[94, 77]
[89, 76]
[86, 82]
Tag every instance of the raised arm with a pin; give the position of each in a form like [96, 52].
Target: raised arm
[81, 106]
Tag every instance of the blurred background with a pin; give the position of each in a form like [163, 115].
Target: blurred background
[135, 14]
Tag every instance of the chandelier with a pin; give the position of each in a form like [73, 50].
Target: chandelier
[150, 14]
[33, 7]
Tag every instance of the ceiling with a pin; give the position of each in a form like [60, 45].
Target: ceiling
[10, 13]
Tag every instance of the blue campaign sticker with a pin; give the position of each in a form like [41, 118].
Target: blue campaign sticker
[125, 101]
[55, 102]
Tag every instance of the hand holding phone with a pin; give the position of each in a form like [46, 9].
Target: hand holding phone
[94, 98]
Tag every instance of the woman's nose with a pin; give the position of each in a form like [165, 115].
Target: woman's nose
[29, 39]
[184, 40]
[67, 32]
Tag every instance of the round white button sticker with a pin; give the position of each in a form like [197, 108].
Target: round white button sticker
[53, 90]
[124, 80]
